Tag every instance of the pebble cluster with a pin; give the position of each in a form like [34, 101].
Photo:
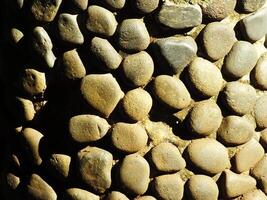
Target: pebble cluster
[133, 99]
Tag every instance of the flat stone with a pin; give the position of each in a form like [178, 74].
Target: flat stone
[259, 172]
[146, 6]
[81, 4]
[37, 188]
[59, 165]
[177, 52]
[102, 92]
[205, 118]
[101, 21]
[237, 184]
[134, 174]
[138, 68]
[79, 194]
[137, 103]
[167, 158]
[87, 128]
[205, 77]
[180, 16]
[31, 140]
[241, 59]
[94, 167]
[260, 72]
[248, 156]
[254, 26]
[45, 11]
[251, 5]
[133, 35]
[69, 31]
[235, 130]
[208, 155]
[115, 195]
[254, 195]
[169, 186]
[115, 4]
[171, 91]
[73, 67]
[129, 138]
[239, 97]
[106, 53]
[199, 191]
[218, 9]
[260, 111]
[218, 39]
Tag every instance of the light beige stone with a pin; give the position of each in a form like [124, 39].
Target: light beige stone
[115, 195]
[260, 171]
[60, 165]
[79, 194]
[260, 111]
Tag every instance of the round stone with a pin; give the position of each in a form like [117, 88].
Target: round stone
[199, 191]
[16, 35]
[239, 97]
[133, 35]
[260, 112]
[137, 103]
[134, 174]
[254, 195]
[167, 158]
[235, 130]
[146, 198]
[129, 138]
[115, 195]
[87, 128]
[218, 39]
[205, 77]
[169, 186]
[101, 21]
[94, 167]
[208, 155]
[146, 6]
[59, 165]
[251, 5]
[138, 68]
[260, 73]
[115, 4]
[23, 109]
[263, 139]
[241, 59]
[172, 92]
[79, 194]
[205, 118]
[81, 4]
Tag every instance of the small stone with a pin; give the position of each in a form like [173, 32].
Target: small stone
[23, 109]
[101, 21]
[248, 156]
[260, 72]
[129, 138]
[205, 77]
[133, 35]
[205, 118]
[208, 155]
[60, 165]
[9, 185]
[45, 11]
[180, 16]
[172, 92]
[79, 194]
[16, 35]
[241, 59]
[169, 186]
[146, 198]
[115, 195]
[81, 4]
[42, 45]
[218, 39]
[95, 168]
[134, 174]
[106, 53]
[138, 68]
[73, 67]
[254, 26]
[235, 130]
[167, 158]
[102, 92]
[12, 181]
[263, 139]
[218, 9]
[87, 128]
[177, 52]
[239, 97]
[146, 6]
[199, 191]
[115, 4]
[31, 140]
[69, 31]
[251, 5]
[260, 111]
[259, 172]
[137, 103]
[254, 195]
[37, 188]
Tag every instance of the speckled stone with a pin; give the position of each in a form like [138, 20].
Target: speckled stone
[79, 194]
[260, 111]
[59, 165]
[251, 5]
[254, 195]
[146, 6]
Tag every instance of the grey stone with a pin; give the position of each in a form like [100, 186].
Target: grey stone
[180, 16]
[251, 5]
[177, 52]
[146, 6]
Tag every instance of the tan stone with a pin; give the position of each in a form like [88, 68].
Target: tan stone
[254, 195]
[115, 195]
[260, 111]
[82, 4]
[146, 198]
[260, 171]
[263, 138]
[79, 194]
[23, 109]
[60, 165]
[16, 35]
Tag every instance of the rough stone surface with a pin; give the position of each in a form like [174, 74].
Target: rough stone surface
[23, 109]
[146, 6]
[94, 166]
[251, 5]
[171, 91]
[254, 195]
[115, 4]
[60, 165]
[79, 194]
[81, 4]
[259, 172]
[260, 111]
[102, 92]
[260, 72]
[180, 16]
[134, 173]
